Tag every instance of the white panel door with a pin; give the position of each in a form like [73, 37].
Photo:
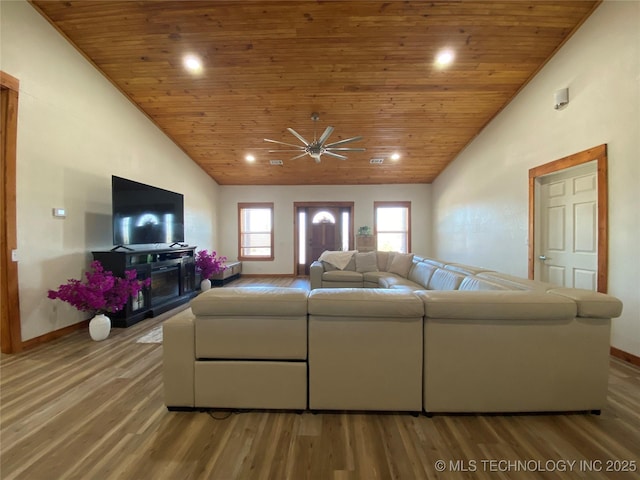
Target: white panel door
[568, 242]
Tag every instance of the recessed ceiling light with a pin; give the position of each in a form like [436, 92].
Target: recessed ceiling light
[444, 58]
[192, 63]
[395, 157]
[250, 158]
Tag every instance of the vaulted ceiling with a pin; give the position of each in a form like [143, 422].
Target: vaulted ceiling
[368, 69]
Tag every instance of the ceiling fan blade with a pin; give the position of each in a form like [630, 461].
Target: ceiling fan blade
[289, 150]
[331, 154]
[298, 136]
[341, 142]
[299, 156]
[323, 138]
[345, 149]
[283, 143]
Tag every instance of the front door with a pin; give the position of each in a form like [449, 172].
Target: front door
[323, 233]
[320, 227]
[568, 227]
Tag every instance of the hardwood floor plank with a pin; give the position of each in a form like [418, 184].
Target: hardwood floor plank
[78, 409]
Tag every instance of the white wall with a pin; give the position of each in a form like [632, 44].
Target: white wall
[75, 130]
[284, 198]
[480, 201]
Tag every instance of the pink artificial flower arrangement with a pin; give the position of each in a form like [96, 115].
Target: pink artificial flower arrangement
[207, 263]
[102, 292]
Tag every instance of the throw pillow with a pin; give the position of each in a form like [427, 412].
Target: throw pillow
[366, 262]
[401, 264]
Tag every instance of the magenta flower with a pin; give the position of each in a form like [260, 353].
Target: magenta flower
[101, 292]
[207, 263]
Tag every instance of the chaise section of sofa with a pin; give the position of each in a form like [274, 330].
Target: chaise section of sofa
[516, 351]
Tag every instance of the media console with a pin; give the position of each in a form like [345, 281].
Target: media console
[173, 280]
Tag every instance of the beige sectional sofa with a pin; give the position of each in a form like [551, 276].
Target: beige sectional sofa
[443, 338]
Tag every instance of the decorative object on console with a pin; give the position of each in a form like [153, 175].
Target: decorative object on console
[101, 293]
[364, 230]
[208, 265]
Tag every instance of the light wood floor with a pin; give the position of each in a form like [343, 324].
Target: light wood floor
[77, 409]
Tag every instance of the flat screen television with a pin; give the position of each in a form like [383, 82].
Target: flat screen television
[143, 214]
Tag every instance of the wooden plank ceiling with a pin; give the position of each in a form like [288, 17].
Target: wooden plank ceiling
[367, 68]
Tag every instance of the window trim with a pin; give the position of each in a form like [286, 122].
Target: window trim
[255, 258]
[396, 204]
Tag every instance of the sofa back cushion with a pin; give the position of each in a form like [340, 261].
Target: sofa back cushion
[383, 260]
[401, 264]
[445, 280]
[475, 283]
[366, 262]
[421, 273]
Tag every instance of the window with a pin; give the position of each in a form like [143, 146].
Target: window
[392, 226]
[255, 236]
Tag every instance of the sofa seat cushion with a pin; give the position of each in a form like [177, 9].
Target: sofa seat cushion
[368, 302]
[394, 281]
[388, 280]
[374, 277]
[342, 276]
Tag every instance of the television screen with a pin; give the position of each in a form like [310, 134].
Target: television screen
[145, 214]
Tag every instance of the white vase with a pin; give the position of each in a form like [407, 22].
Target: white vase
[99, 327]
[205, 284]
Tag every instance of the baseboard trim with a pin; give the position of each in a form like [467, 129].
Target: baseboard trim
[626, 356]
[47, 337]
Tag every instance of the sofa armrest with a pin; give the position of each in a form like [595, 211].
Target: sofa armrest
[178, 352]
[591, 304]
[315, 274]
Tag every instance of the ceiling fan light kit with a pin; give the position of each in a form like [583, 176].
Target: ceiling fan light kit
[318, 146]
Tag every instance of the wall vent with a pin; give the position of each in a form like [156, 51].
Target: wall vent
[276, 162]
[376, 161]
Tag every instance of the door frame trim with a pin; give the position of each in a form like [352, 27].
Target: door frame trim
[10, 325]
[599, 154]
[298, 205]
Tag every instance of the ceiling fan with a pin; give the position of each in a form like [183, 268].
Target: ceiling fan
[318, 147]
